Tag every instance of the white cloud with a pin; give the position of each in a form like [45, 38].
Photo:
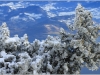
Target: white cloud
[33, 16]
[57, 28]
[47, 27]
[15, 17]
[51, 14]
[49, 7]
[18, 18]
[13, 5]
[68, 22]
[30, 16]
[95, 12]
[52, 29]
[25, 19]
[21, 18]
[66, 13]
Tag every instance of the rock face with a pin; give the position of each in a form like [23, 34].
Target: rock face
[66, 54]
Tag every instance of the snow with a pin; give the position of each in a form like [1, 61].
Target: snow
[79, 6]
[9, 40]
[49, 67]
[8, 56]
[1, 60]
[3, 53]
[65, 67]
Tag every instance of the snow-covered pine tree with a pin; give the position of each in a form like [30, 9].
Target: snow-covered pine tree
[66, 54]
